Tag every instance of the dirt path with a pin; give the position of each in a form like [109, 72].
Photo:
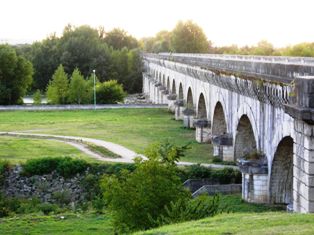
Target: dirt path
[127, 155]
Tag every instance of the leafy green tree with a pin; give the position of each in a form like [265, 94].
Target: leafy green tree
[45, 57]
[118, 39]
[58, 88]
[15, 76]
[77, 90]
[83, 48]
[136, 199]
[37, 97]
[133, 84]
[109, 92]
[188, 37]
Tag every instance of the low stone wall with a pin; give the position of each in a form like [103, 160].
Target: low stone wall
[47, 188]
[195, 184]
[219, 188]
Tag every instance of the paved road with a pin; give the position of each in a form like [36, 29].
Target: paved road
[127, 155]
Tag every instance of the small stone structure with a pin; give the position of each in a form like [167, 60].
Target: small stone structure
[218, 188]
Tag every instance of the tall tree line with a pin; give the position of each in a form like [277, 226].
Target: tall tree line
[114, 56]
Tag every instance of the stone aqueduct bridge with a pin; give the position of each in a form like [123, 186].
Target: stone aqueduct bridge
[260, 108]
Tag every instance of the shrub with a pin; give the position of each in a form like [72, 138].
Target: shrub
[227, 176]
[4, 166]
[62, 197]
[189, 209]
[109, 92]
[138, 198]
[37, 97]
[98, 204]
[65, 166]
[47, 208]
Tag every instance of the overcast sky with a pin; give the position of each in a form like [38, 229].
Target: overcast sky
[225, 22]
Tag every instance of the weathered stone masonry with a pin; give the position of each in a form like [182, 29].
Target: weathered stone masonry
[245, 104]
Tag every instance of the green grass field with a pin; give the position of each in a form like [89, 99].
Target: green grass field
[17, 150]
[74, 224]
[132, 128]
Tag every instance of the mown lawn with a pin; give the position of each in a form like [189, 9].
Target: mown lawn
[133, 128]
[17, 150]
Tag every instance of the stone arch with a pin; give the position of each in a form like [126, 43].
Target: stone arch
[281, 178]
[189, 99]
[173, 90]
[201, 108]
[181, 97]
[219, 121]
[168, 83]
[244, 141]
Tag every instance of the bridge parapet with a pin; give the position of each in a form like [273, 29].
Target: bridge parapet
[286, 82]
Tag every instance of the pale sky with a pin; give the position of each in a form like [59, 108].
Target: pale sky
[225, 22]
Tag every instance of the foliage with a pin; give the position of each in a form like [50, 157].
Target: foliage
[99, 204]
[4, 166]
[47, 208]
[118, 39]
[189, 209]
[166, 151]
[15, 76]
[65, 166]
[225, 175]
[78, 92]
[37, 97]
[62, 197]
[57, 90]
[188, 37]
[109, 92]
[137, 198]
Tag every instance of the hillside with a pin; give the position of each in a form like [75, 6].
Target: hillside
[242, 223]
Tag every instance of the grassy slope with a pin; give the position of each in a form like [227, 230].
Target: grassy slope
[242, 223]
[133, 128]
[20, 149]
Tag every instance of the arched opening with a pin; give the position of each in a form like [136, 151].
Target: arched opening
[202, 111]
[281, 178]
[173, 90]
[189, 99]
[245, 141]
[219, 126]
[181, 92]
[168, 84]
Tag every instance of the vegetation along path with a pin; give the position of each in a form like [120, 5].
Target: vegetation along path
[126, 155]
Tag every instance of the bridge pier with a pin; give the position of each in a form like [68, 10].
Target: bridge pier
[179, 108]
[223, 147]
[188, 118]
[202, 130]
[303, 167]
[171, 102]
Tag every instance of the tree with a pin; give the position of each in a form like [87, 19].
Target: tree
[37, 97]
[138, 198]
[109, 92]
[188, 37]
[118, 39]
[57, 90]
[15, 76]
[77, 90]
[133, 84]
